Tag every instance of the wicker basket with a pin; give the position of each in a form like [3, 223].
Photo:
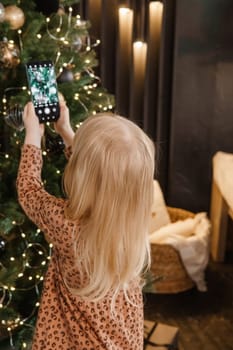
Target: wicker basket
[167, 268]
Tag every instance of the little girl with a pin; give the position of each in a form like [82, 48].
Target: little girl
[92, 293]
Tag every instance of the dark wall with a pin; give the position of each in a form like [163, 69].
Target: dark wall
[202, 99]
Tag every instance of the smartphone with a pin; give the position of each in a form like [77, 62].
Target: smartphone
[43, 86]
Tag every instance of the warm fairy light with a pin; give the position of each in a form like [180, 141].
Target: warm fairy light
[12, 258]
[50, 245]
[1, 306]
[12, 289]
[4, 100]
[58, 30]
[70, 9]
[38, 230]
[87, 61]
[13, 222]
[110, 107]
[43, 263]
[37, 304]
[100, 94]
[24, 345]
[19, 31]
[58, 172]
[30, 278]
[44, 153]
[20, 275]
[47, 19]
[24, 255]
[39, 36]
[23, 235]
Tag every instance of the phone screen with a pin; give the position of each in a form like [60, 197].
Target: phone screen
[43, 87]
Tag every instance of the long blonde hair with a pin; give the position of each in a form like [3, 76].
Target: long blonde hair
[109, 185]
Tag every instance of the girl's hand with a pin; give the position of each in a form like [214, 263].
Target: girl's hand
[62, 126]
[34, 130]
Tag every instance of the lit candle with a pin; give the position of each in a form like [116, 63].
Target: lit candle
[139, 59]
[124, 60]
[152, 66]
[137, 81]
[155, 18]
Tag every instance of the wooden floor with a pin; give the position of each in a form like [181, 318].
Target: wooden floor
[205, 319]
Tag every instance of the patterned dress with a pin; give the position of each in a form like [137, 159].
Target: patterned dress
[66, 321]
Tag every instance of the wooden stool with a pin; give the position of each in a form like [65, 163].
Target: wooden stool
[221, 203]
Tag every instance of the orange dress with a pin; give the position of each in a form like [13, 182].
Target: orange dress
[66, 321]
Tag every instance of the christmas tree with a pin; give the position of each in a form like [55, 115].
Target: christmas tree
[30, 31]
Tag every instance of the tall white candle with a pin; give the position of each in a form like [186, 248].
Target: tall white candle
[152, 66]
[137, 81]
[155, 19]
[125, 28]
[124, 51]
[139, 60]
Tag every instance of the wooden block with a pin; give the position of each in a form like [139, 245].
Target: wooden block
[160, 336]
[219, 222]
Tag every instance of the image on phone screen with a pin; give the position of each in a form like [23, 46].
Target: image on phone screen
[43, 87]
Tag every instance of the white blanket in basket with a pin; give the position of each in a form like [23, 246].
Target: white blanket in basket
[190, 237]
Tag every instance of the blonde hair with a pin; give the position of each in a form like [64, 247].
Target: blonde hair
[109, 184]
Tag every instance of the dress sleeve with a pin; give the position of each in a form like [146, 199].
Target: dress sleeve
[45, 210]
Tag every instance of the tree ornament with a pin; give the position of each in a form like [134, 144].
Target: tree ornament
[14, 117]
[9, 54]
[66, 76]
[77, 43]
[2, 13]
[61, 10]
[15, 16]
